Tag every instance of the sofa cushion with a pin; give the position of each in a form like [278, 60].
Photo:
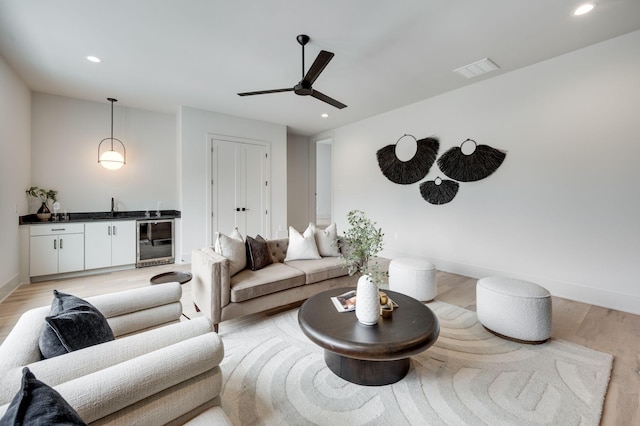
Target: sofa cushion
[270, 279]
[302, 246]
[326, 240]
[72, 324]
[320, 270]
[232, 247]
[36, 403]
[258, 255]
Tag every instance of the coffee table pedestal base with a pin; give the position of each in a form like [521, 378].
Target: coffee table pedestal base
[367, 373]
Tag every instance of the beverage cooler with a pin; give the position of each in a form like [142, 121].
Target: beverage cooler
[155, 242]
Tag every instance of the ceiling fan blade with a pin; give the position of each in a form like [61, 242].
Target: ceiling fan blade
[327, 99]
[319, 64]
[264, 92]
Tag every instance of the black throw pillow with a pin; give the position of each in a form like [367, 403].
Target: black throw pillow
[258, 253]
[72, 324]
[37, 404]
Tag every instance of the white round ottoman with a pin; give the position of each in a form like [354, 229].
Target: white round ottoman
[514, 308]
[413, 277]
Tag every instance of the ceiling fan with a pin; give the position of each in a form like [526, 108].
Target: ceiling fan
[304, 86]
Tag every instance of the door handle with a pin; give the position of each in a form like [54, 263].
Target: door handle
[115, 230]
[61, 244]
[109, 230]
[55, 244]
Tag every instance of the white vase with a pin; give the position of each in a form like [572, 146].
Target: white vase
[367, 301]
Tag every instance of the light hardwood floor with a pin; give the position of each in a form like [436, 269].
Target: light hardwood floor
[606, 330]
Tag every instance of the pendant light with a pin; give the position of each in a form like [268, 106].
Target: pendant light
[112, 159]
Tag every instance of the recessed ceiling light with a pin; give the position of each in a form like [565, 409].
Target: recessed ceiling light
[585, 8]
[94, 59]
[324, 115]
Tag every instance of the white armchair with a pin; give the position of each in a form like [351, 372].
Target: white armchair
[158, 370]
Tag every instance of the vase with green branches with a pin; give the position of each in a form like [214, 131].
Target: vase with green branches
[360, 243]
[44, 195]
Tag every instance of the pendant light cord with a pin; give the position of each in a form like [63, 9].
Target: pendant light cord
[112, 100]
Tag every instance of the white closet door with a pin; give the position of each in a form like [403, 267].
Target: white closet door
[239, 197]
[255, 190]
[225, 176]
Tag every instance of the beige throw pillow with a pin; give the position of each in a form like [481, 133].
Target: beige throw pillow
[326, 240]
[301, 246]
[232, 247]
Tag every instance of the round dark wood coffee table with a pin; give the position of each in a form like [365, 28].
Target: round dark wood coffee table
[370, 355]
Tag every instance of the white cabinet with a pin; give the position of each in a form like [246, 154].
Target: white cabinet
[56, 248]
[110, 244]
[240, 187]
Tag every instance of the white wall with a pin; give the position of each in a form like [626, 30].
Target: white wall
[196, 127]
[299, 190]
[15, 170]
[564, 208]
[65, 137]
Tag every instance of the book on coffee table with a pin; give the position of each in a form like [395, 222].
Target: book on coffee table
[346, 302]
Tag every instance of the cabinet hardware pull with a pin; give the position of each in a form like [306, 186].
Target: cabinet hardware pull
[61, 244]
[108, 230]
[55, 244]
[58, 229]
[115, 230]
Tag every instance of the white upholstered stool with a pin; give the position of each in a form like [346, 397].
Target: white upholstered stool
[514, 308]
[413, 277]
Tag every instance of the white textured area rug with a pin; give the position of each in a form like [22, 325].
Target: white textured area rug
[274, 375]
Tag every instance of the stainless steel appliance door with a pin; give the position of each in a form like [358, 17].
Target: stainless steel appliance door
[155, 242]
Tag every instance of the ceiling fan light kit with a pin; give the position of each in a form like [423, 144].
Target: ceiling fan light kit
[305, 86]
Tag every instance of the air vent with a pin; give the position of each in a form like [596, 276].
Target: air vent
[477, 68]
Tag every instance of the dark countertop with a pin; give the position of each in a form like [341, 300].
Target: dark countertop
[32, 219]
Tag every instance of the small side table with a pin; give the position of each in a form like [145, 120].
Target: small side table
[172, 277]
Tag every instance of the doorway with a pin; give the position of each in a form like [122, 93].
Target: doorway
[323, 182]
[239, 187]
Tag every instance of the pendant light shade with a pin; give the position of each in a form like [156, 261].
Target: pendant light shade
[112, 158]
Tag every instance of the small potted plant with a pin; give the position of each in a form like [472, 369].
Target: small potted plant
[361, 242]
[44, 195]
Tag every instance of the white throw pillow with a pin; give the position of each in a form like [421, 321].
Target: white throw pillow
[326, 240]
[232, 247]
[301, 246]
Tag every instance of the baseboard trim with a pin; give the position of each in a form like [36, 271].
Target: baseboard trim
[573, 291]
[9, 287]
[567, 290]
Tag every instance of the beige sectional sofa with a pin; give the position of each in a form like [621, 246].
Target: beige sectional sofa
[221, 296]
[157, 371]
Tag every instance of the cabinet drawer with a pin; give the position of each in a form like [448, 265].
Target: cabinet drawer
[56, 229]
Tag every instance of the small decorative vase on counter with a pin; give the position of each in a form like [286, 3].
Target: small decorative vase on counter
[367, 301]
[44, 213]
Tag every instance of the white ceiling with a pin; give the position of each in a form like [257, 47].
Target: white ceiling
[159, 54]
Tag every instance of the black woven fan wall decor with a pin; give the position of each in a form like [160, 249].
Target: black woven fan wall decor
[439, 191]
[477, 165]
[413, 170]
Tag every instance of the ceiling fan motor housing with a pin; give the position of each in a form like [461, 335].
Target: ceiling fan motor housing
[303, 88]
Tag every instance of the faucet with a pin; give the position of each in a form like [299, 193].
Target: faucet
[112, 207]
